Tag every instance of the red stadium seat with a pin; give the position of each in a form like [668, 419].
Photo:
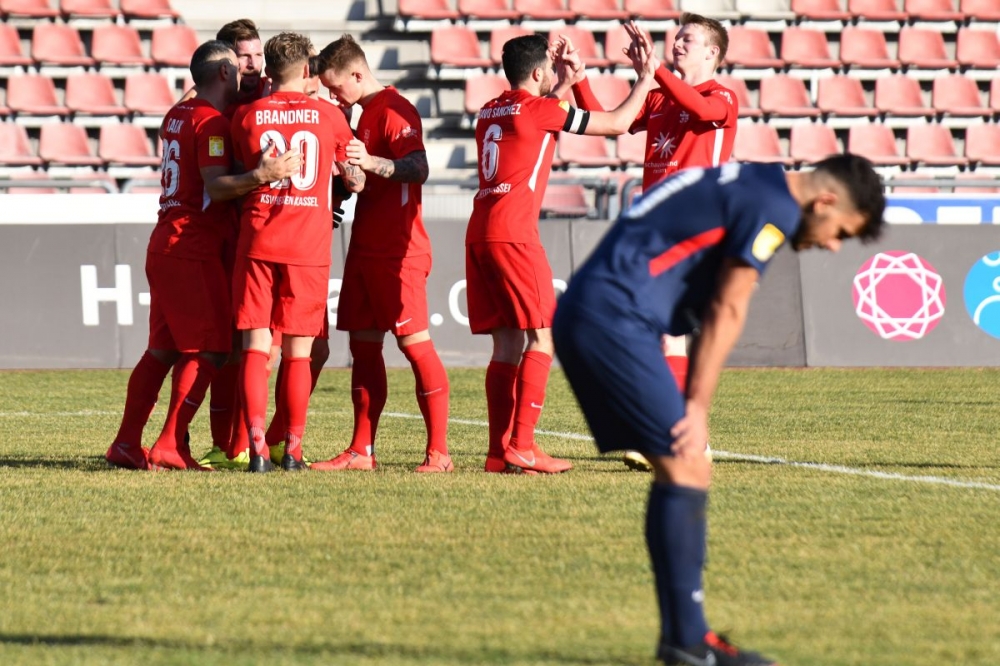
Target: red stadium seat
[811, 142]
[546, 10]
[58, 44]
[631, 148]
[584, 42]
[958, 95]
[972, 175]
[126, 144]
[995, 94]
[899, 95]
[15, 147]
[932, 10]
[932, 144]
[34, 95]
[427, 9]
[66, 143]
[29, 8]
[148, 94]
[981, 10]
[785, 96]
[652, 10]
[487, 9]
[739, 87]
[10, 47]
[118, 45]
[978, 48]
[804, 47]
[147, 9]
[456, 46]
[758, 142]
[924, 48]
[481, 89]
[982, 144]
[87, 8]
[862, 47]
[173, 45]
[564, 200]
[876, 142]
[750, 47]
[617, 40]
[843, 96]
[92, 94]
[602, 10]
[876, 10]
[501, 36]
[610, 90]
[820, 10]
[585, 150]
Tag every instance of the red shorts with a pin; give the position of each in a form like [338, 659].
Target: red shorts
[283, 297]
[384, 294]
[189, 308]
[508, 285]
[324, 333]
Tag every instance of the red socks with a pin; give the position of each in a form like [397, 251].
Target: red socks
[192, 375]
[276, 431]
[254, 392]
[679, 369]
[368, 393]
[500, 380]
[140, 398]
[295, 402]
[432, 392]
[532, 376]
[222, 404]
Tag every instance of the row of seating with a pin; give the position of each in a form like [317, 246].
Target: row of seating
[70, 9]
[820, 10]
[459, 46]
[146, 93]
[111, 44]
[69, 144]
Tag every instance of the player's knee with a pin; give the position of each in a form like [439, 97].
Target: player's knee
[690, 471]
[320, 352]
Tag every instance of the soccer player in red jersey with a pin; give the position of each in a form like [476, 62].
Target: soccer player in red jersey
[283, 256]
[190, 303]
[509, 281]
[388, 261]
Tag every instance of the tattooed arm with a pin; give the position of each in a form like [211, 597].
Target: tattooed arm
[411, 168]
[352, 176]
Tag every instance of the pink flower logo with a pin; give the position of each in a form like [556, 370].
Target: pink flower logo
[899, 296]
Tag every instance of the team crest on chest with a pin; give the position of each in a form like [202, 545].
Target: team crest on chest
[665, 145]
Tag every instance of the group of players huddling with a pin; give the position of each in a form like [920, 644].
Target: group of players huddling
[238, 265]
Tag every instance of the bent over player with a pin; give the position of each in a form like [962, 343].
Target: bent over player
[686, 259]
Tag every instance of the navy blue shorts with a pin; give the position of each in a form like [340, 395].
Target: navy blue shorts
[621, 380]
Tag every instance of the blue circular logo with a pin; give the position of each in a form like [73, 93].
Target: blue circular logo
[982, 294]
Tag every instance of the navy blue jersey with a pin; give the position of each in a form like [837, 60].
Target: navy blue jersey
[659, 263]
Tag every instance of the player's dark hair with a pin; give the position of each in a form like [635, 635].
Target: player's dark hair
[717, 34]
[521, 55]
[863, 184]
[339, 55]
[285, 51]
[204, 61]
[240, 30]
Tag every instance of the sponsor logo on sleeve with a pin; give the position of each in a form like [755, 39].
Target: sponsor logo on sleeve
[564, 105]
[216, 146]
[768, 240]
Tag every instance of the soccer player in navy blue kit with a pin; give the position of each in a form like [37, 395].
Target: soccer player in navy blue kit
[685, 259]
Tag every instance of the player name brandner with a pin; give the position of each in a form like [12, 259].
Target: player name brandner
[287, 117]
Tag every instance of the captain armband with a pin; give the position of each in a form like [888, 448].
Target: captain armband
[576, 121]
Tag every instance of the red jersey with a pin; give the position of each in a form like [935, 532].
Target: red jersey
[194, 135]
[388, 219]
[515, 140]
[675, 140]
[289, 221]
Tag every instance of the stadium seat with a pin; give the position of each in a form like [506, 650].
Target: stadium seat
[126, 144]
[564, 200]
[982, 143]
[750, 47]
[58, 44]
[765, 10]
[932, 10]
[972, 175]
[995, 94]
[617, 40]
[456, 46]
[876, 10]
[958, 95]
[584, 42]
[876, 142]
[11, 53]
[722, 10]
[34, 95]
[173, 45]
[610, 90]
[820, 10]
[481, 89]
[87, 8]
[981, 10]
[914, 189]
[804, 47]
[932, 144]
[147, 9]
[92, 94]
[924, 49]
[861, 47]
[585, 150]
[117, 45]
[28, 8]
[652, 10]
[843, 96]
[631, 148]
[148, 94]
[501, 36]
[978, 48]
[15, 147]
[811, 142]
[758, 142]
[602, 10]
[900, 95]
[784, 95]
[739, 87]
[427, 9]
[66, 143]
[487, 9]
[544, 10]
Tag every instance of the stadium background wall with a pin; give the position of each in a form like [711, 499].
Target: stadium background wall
[75, 295]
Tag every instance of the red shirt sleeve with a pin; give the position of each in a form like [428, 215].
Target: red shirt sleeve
[403, 131]
[713, 108]
[549, 113]
[214, 146]
[585, 97]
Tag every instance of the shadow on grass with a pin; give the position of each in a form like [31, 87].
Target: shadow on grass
[83, 463]
[441, 654]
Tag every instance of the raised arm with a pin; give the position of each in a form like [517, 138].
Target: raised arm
[613, 123]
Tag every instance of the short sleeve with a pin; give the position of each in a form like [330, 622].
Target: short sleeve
[402, 130]
[732, 106]
[549, 113]
[642, 118]
[758, 232]
[214, 145]
[340, 130]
